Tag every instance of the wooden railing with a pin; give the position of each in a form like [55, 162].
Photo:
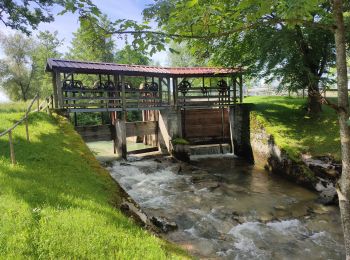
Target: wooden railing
[99, 100]
[45, 105]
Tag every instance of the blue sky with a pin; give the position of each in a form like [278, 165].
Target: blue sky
[115, 9]
[68, 23]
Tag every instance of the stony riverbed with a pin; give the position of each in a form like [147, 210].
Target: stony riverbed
[225, 208]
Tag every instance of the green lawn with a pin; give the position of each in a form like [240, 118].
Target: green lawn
[57, 202]
[284, 118]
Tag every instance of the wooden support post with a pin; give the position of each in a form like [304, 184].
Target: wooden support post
[55, 96]
[52, 105]
[26, 124]
[234, 89]
[12, 150]
[59, 89]
[120, 140]
[37, 102]
[169, 94]
[160, 91]
[123, 98]
[48, 106]
[175, 92]
[240, 88]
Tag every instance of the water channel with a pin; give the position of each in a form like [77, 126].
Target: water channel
[227, 209]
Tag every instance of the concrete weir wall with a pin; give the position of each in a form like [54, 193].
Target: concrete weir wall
[170, 127]
[239, 117]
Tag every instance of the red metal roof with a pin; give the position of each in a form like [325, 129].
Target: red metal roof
[87, 67]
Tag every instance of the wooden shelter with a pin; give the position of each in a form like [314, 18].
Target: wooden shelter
[200, 95]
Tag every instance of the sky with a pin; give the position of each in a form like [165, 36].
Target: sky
[68, 23]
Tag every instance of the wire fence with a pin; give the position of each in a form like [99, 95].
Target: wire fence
[44, 106]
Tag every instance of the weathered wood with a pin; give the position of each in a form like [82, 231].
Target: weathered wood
[120, 139]
[174, 92]
[211, 123]
[240, 88]
[234, 89]
[168, 88]
[141, 128]
[96, 133]
[12, 150]
[123, 97]
[26, 124]
[55, 96]
[59, 89]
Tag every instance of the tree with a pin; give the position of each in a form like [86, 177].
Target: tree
[92, 42]
[269, 44]
[128, 55]
[25, 16]
[17, 68]
[47, 47]
[343, 113]
[182, 55]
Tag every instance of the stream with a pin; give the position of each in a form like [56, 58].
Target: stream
[227, 209]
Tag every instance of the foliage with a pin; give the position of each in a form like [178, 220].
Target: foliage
[58, 202]
[25, 16]
[47, 45]
[92, 43]
[182, 55]
[22, 69]
[292, 131]
[17, 68]
[128, 55]
[284, 40]
[179, 140]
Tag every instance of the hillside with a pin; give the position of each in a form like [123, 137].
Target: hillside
[58, 202]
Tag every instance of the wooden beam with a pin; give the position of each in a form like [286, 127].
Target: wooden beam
[59, 89]
[168, 86]
[55, 96]
[234, 89]
[175, 92]
[12, 150]
[123, 97]
[120, 140]
[240, 88]
[160, 90]
[140, 128]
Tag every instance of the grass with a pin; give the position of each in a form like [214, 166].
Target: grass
[285, 119]
[58, 202]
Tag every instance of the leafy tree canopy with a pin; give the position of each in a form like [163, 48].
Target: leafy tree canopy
[26, 15]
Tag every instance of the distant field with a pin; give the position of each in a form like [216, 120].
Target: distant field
[58, 202]
[284, 117]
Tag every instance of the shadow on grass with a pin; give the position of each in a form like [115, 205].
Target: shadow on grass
[288, 122]
[56, 170]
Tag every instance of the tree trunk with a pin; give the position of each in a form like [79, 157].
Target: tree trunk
[343, 188]
[314, 100]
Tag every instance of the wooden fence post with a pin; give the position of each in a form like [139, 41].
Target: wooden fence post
[12, 151]
[27, 130]
[48, 106]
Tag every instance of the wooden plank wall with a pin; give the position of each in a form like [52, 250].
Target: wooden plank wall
[96, 132]
[205, 123]
[141, 128]
[107, 132]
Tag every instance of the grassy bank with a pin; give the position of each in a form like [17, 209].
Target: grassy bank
[284, 118]
[57, 202]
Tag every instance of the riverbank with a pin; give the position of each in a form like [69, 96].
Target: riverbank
[303, 149]
[58, 202]
[293, 131]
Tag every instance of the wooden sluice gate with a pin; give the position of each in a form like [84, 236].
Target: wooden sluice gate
[200, 105]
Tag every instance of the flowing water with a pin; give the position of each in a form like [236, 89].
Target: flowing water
[227, 209]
